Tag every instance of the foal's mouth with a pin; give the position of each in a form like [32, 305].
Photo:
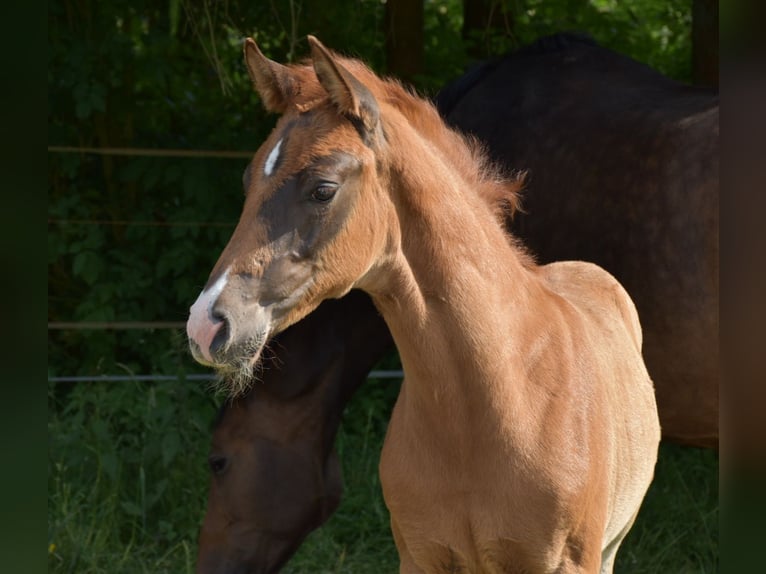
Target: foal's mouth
[237, 365]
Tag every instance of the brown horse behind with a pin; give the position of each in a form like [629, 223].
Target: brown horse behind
[525, 434]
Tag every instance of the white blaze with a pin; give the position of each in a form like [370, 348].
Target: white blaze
[201, 327]
[272, 159]
[207, 298]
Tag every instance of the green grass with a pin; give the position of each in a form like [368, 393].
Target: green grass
[127, 485]
[677, 528]
[126, 476]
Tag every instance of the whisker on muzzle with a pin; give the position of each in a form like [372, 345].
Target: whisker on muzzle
[236, 379]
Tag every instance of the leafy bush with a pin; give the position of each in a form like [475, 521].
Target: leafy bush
[126, 475]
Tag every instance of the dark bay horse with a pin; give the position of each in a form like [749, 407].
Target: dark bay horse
[526, 431]
[622, 170]
[585, 88]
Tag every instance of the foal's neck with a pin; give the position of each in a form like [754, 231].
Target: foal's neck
[458, 289]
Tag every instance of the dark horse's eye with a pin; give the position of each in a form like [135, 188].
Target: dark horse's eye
[217, 463]
[324, 192]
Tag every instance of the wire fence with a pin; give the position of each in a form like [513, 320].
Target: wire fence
[148, 152]
[139, 223]
[376, 374]
[149, 325]
[153, 152]
[113, 325]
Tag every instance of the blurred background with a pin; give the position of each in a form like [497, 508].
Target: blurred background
[151, 123]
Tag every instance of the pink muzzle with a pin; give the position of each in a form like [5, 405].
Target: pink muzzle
[201, 326]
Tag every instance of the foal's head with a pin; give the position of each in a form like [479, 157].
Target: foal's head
[310, 227]
[319, 218]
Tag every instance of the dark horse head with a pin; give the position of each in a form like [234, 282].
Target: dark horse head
[274, 474]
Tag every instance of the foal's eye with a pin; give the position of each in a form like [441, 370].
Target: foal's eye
[324, 192]
[217, 464]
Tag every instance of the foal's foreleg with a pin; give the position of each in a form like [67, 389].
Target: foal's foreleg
[610, 552]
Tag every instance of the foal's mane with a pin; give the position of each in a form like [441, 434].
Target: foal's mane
[500, 190]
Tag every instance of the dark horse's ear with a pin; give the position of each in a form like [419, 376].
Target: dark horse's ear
[273, 82]
[349, 95]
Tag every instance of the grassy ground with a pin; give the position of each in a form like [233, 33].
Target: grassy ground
[127, 483]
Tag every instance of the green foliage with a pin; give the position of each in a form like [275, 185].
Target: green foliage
[125, 476]
[444, 56]
[655, 32]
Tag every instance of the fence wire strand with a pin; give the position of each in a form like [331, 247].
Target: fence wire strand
[192, 377]
[132, 325]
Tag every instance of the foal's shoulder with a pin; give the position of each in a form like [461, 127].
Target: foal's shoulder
[578, 275]
[594, 291]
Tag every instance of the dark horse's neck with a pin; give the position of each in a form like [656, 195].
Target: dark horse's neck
[347, 337]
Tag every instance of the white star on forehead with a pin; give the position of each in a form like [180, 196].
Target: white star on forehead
[272, 159]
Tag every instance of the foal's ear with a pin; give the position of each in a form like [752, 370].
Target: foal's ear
[349, 95]
[273, 82]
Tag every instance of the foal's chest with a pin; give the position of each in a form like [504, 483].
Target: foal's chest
[491, 556]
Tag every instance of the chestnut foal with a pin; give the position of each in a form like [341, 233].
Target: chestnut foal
[526, 432]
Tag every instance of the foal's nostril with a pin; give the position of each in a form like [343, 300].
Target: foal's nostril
[222, 335]
[216, 315]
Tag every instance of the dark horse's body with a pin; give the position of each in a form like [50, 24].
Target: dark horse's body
[622, 167]
[622, 170]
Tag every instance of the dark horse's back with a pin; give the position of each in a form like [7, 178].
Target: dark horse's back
[622, 170]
